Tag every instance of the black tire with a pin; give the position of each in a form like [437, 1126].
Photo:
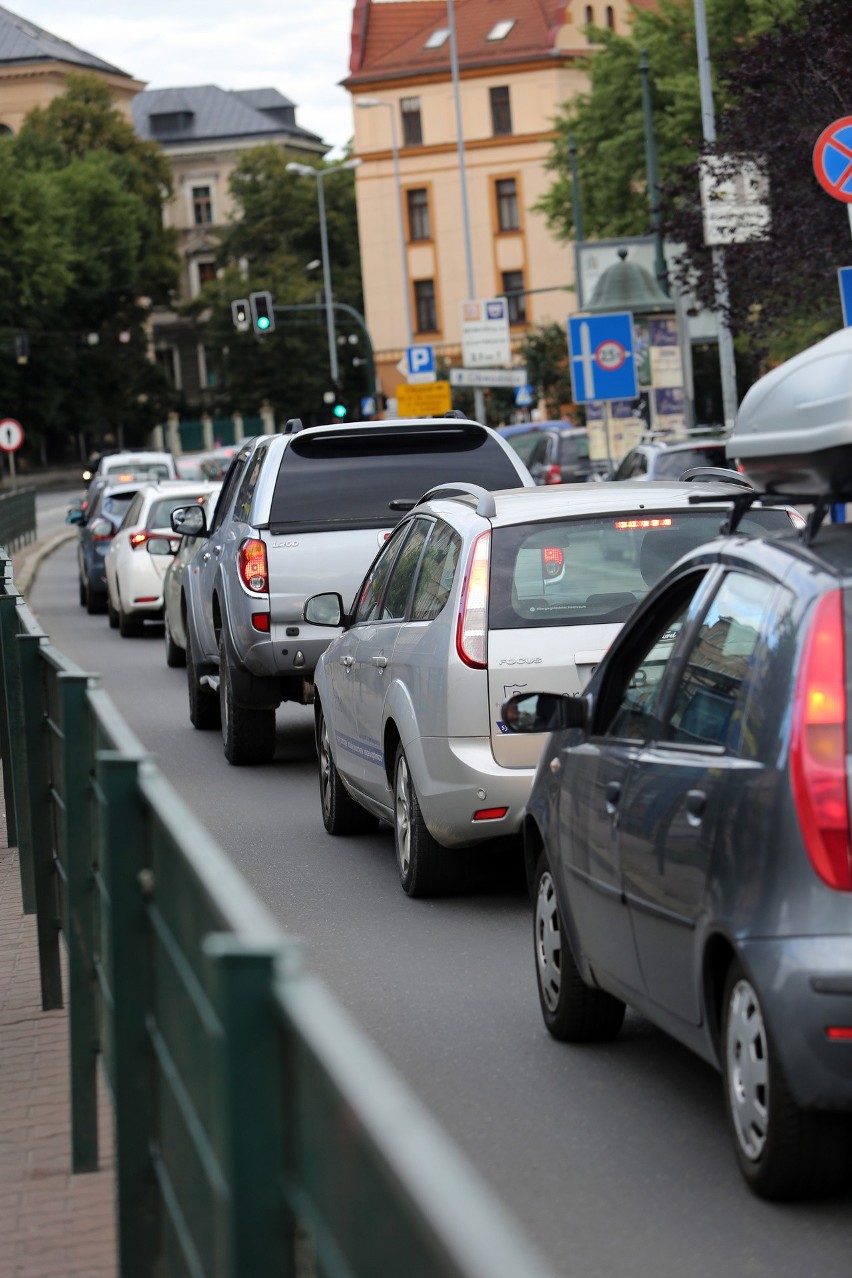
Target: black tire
[95, 600]
[783, 1152]
[248, 735]
[426, 868]
[129, 627]
[573, 1011]
[203, 701]
[175, 655]
[82, 593]
[340, 813]
[112, 614]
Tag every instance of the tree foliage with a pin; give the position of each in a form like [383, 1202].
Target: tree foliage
[82, 246]
[274, 243]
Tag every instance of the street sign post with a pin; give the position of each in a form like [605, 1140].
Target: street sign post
[11, 438]
[430, 399]
[603, 366]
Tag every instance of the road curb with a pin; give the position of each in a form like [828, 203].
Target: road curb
[25, 562]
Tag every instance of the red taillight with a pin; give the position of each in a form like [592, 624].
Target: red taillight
[818, 746]
[839, 1033]
[625, 525]
[252, 563]
[260, 621]
[553, 474]
[138, 539]
[472, 630]
[490, 814]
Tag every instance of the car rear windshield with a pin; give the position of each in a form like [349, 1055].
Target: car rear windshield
[140, 470]
[158, 515]
[348, 479]
[573, 449]
[585, 572]
[671, 465]
[115, 505]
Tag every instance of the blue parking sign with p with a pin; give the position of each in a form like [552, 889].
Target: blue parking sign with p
[420, 359]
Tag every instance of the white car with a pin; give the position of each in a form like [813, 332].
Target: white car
[135, 578]
[137, 462]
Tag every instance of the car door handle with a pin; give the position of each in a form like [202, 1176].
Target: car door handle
[381, 661]
[696, 804]
[346, 661]
[613, 794]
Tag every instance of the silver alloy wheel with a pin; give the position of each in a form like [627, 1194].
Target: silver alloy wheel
[325, 768]
[548, 943]
[748, 1070]
[402, 816]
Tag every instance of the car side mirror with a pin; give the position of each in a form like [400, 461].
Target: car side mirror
[543, 712]
[189, 521]
[325, 610]
[76, 515]
[160, 546]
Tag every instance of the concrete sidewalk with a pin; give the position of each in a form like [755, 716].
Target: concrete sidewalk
[52, 1224]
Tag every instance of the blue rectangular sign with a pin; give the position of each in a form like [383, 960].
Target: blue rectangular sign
[603, 366]
[844, 279]
[420, 359]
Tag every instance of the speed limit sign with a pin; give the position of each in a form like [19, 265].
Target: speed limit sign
[11, 435]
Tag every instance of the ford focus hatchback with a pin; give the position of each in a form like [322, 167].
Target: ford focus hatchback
[476, 596]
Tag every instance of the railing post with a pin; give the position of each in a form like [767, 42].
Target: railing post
[257, 1237]
[17, 786]
[79, 920]
[8, 591]
[48, 920]
[124, 866]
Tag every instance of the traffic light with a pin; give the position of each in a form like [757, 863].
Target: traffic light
[339, 409]
[22, 348]
[240, 314]
[262, 313]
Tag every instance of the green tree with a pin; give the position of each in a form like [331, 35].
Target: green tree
[83, 245]
[778, 91]
[545, 354]
[272, 242]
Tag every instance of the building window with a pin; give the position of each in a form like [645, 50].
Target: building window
[206, 273]
[501, 111]
[165, 357]
[5, 131]
[590, 16]
[610, 18]
[513, 283]
[437, 38]
[507, 204]
[418, 214]
[424, 303]
[412, 130]
[501, 30]
[202, 206]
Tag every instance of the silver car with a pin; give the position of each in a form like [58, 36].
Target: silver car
[477, 596]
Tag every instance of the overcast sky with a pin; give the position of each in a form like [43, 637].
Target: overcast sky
[300, 47]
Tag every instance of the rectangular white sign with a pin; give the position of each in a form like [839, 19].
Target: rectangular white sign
[507, 377]
[485, 333]
[734, 200]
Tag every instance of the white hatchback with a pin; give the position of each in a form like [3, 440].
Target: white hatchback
[135, 578]
[477, 596]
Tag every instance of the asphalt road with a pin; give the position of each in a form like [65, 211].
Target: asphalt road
[614, 1158]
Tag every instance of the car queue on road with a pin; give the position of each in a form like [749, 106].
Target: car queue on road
[659, 713]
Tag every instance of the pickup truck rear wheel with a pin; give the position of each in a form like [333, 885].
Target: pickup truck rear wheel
[426, 868]
[340, 813]
[203, 702]
[248, 735]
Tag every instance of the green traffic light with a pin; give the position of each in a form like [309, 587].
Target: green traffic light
[262, 322]
[339, 410]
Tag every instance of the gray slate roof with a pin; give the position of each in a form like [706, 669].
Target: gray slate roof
[23, 41]
[207, 113]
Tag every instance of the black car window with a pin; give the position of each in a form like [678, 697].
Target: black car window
[672, 464]
[629, 702]
[708, 702]
[369, 597]
[115, 505]
[635, 463]
[242, 505]
[437, 570]
[229, 487]
[395, 602]
[348, 478]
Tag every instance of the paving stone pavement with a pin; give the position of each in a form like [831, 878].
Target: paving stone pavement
[53, 1224]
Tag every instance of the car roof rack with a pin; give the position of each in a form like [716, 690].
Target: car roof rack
[485, 504]
[721, 474]
[741, 503]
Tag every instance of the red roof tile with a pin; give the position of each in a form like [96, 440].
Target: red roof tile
[389, 38]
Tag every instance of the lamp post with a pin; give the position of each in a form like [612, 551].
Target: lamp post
[379, 102]
[307, 170]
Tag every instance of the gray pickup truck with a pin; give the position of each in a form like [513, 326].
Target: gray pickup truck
[299, 514]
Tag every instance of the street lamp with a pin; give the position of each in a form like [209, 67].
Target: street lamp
[379, 102]
[307, 170]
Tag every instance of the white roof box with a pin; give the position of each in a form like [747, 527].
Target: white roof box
[793, 431]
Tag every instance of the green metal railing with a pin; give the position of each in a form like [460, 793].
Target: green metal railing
[17, 518]
[257, 1131]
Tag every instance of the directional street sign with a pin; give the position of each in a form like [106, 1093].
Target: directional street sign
[833, 159]
[602, 363]
[368, 406]
[844, 279]
[504, 377]
[11, 435]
